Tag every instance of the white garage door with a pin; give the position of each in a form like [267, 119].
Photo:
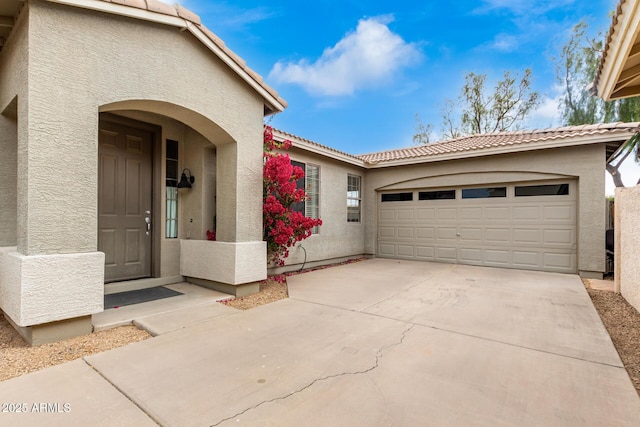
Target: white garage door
[522, 225]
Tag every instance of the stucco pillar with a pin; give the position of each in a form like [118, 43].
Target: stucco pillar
[55, 273]
[239, 191]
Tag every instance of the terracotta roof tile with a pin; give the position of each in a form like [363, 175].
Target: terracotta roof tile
[308, 141]
[477, 143]
[608, 40]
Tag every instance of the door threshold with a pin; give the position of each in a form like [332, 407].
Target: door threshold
[134, 285]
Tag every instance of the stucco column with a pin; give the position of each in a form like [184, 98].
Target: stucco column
[239, 191]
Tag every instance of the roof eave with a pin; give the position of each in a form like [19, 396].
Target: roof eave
[318, 149]
[507, 149]
[620, 44]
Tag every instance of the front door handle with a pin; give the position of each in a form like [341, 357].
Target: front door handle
[147, 220]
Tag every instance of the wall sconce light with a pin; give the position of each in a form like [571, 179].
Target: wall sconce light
[185, 182]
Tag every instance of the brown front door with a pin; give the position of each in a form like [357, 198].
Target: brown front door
[124, 201]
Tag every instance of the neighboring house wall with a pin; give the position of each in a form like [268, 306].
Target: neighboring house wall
[583, 163]
[336, 238]
[627, 242]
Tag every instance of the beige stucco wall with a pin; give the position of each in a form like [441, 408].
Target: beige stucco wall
[627, 244]
[336, 238]
[80, 63]
[125, 59]
[585, 163]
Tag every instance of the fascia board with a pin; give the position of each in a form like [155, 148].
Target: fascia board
[122, 10]
[200, 35]
[327, 153]
[621, 45]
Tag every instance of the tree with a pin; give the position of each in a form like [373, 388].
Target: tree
[576, 69]
[479, 110]
[283, 227]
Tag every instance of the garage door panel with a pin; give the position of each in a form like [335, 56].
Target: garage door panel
[387, 250]
[446, 254]
[532, 232]
[470, 255]
[425, 232]
[526, 213]
[405, 232]
[502, 213]
[497, 257]
[425, 214]
[471, 214]
[559, 213]
[386, 214]
[559, 261]
[468, 234]
[526, 259]
[405, 250]
[447, 233]
[526, 236]
[559, 237]
[386, 232]
[425, 252]
[447, 214]
[405, 214]
[497, 235]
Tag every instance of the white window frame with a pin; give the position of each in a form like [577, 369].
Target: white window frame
[354, 198]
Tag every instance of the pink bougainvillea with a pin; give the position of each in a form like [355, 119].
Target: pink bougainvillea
[283, 227]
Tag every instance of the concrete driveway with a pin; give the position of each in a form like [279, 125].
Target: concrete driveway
[374, 343]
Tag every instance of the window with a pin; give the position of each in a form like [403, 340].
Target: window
[437, 195]
[354, 198]
[312, 204]
[542, 190]
[397, 197]
[311, 184]
[484, 193]
[171, 224]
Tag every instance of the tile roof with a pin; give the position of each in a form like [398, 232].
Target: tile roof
[180, 12]
[325, 149]
[608, 41]
[476, 144]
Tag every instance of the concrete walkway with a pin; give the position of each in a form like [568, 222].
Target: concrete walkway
[374, 343]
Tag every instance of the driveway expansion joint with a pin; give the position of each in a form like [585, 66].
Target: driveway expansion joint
[379, 355]
[115, 386]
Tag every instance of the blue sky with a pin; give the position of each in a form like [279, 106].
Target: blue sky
[356, 72]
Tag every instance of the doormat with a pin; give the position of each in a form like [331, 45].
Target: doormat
[139, 296]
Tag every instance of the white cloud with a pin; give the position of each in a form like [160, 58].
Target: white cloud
[229, 16]
[523, 7]
[368, 57]
[547, 114]
[504, 43]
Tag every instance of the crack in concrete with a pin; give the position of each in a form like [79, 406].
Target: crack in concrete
[379, 355]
